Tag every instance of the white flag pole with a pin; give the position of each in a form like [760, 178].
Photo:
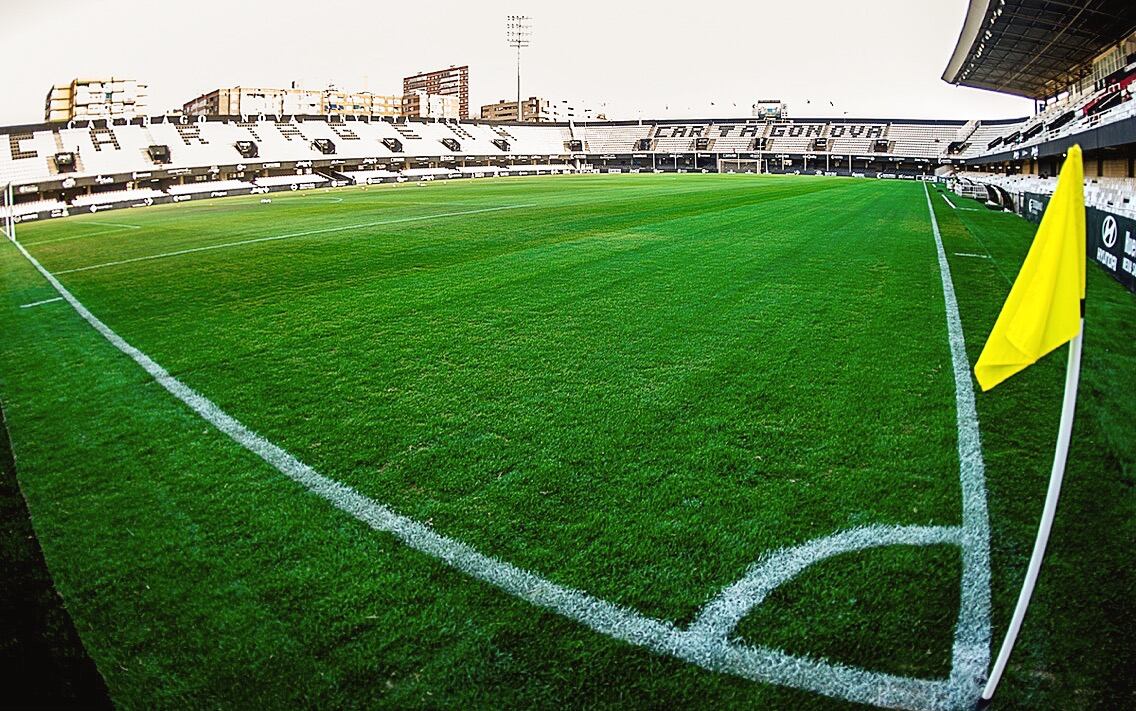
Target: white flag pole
[1064, 431]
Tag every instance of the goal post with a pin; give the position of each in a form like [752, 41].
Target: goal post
[8, 210]
[739, 165]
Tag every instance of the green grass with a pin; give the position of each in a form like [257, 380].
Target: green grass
[632, 385]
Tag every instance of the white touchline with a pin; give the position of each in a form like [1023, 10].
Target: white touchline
[971, 653]
[308, 233]
[40, 303]
[705, 642]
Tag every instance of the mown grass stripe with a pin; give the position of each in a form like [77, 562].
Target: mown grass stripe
[275, 238]
[664, 637]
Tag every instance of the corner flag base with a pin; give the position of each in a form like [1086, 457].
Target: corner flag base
[982, 704]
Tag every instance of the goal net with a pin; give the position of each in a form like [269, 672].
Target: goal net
[735, 165]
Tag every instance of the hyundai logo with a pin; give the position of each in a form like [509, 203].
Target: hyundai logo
[1108, 232]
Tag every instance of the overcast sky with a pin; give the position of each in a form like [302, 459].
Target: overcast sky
[653, 59]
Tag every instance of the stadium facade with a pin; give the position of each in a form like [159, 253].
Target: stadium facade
[1083, 81]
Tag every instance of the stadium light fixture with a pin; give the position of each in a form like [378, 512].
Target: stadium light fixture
[518, 34]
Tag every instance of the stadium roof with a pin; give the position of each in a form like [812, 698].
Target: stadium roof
[1033, 47]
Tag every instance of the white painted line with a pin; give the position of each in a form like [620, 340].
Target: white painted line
[114, 224]
[307, 233]
[719, 617]
[40, 303]
[703, 643]
[970, 656]
[82, 235]
[968, 254]
[964, 209]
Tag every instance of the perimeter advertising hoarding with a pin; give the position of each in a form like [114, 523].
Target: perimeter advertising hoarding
[1110, 238]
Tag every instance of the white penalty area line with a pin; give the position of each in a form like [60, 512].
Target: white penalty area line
[41, 303]
[117, 227]
[307, 233]
[970, 656]
[706, 642]
[115, 224]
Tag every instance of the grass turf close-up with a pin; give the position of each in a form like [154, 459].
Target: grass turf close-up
[633, 387]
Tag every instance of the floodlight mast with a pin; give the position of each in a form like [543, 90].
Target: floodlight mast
[518, 33]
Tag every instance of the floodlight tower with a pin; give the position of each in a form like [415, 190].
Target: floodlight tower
[518, 33]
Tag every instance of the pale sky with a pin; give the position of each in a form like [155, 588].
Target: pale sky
[869, 58]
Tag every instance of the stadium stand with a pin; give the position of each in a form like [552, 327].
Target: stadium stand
[613, 139]
[920, 139]
[1077, 61]
[429, 173]
[538, 140]
[368, 177]
[169, 156]
[275, 180]
[1110, 194]
[111, 197]
[173, 152]
[1083, 80]
[481, 171]
[208, 186]
[33, 207]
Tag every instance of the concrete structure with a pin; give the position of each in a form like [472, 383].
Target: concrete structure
[96, 99]
[421, 104]
[444, 82]
[770, 109]
[251, 101]
[538, 110]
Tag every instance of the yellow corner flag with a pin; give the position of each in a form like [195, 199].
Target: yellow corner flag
[1043, 310]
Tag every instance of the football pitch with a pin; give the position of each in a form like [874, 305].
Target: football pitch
[585, 441]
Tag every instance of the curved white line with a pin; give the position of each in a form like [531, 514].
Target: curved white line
[719, 617]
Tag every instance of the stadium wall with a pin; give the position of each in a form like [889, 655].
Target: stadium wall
[1110, 239]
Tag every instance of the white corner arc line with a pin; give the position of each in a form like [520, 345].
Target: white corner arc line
[308, 233]
[971, 652]
[719, 617]
[757, 663]
[41, 303]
